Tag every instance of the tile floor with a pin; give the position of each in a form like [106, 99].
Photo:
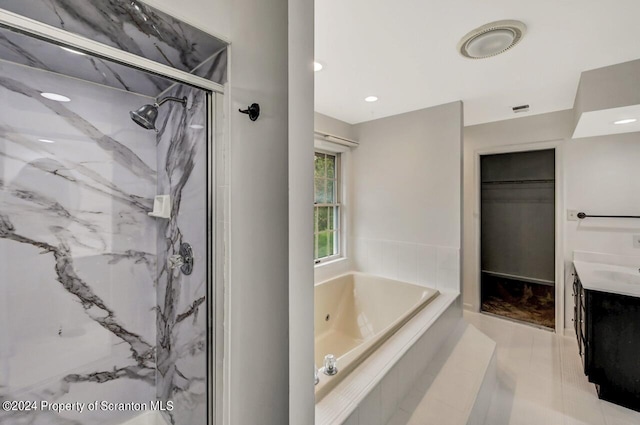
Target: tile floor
[446, 393]
[540, 379]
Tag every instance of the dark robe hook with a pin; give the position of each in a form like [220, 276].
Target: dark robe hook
[253, 111]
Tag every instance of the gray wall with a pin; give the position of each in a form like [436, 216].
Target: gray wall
[258, 310]
[501, 135]
[597, 175]
[609, 87]
[406, 197]
[406, 177]
[301, 336]
[333, 126]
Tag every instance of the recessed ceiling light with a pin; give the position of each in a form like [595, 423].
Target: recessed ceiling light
[56, 97]
[626, 121]
[317, 66]
[66, 49]
[45, 141]
[196, 126]
[371, 99]
[491, 39]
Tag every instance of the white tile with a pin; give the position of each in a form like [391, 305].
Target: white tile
[389, 394]
[434, 412]
[427, 265]
[618, 415]
[353, 419]
[389, 259]
[374, 257]
[370, 410]
[331, 409]
[541, 380]
[448, 268]
[456, 387]
[581, 409]
[408, 263]
[408, 371]
[359, 254]
[400, 418]
[410, 402]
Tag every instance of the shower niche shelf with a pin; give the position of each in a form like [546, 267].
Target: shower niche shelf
[161, 207]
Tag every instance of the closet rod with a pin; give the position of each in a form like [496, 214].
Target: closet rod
[519, 181]
[582, 215]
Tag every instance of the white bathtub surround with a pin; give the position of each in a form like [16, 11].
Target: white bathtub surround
[374, 389]
[457, 387]
[426, 265]
[403, 218]
[355, 313]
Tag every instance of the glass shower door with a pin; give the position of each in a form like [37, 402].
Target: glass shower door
[99, 323]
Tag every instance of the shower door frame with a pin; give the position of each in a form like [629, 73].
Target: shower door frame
[214, 91]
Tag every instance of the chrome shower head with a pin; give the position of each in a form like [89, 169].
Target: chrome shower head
[146, 115]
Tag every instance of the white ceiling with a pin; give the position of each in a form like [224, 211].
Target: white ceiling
[404, 52]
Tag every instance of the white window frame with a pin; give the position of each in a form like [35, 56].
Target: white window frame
[338, 212]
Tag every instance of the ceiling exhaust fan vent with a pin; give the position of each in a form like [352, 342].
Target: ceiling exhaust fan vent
[491, 39]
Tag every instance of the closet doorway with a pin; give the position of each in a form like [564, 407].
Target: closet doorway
[517, 236]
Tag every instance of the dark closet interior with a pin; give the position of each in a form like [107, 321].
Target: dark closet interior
[518, 236]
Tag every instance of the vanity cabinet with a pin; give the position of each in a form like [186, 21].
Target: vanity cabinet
[607, 326]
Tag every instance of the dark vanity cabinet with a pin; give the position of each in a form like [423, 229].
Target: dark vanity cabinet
[607, 326]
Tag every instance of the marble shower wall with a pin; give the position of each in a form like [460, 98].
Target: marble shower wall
[89, 309]
[182, 314]
[128, 25]
[78, 262]
[29, 51]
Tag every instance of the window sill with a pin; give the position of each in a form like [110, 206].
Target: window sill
[335, 261]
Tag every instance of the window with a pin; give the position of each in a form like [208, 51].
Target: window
[327, 207]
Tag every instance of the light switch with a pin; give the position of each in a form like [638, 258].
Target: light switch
[636, 241]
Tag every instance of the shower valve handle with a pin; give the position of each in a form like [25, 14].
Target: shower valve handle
[184, 259]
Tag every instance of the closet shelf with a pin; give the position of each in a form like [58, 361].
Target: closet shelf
[520, 278]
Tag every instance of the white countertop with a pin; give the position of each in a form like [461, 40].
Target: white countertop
[617, 279]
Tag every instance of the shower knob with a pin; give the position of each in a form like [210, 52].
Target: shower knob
[176, 261]
[184, 259]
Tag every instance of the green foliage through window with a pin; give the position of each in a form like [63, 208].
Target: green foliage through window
[327, 206]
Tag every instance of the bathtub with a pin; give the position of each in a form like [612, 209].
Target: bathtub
[355, 313]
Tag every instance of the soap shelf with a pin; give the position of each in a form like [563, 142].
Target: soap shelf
[161, 207]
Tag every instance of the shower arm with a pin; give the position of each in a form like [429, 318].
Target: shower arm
[172, 99]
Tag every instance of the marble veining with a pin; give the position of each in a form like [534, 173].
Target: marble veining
[129, 25]
[181, 319]
[78, 249]
[94, 311]
[25, 50]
